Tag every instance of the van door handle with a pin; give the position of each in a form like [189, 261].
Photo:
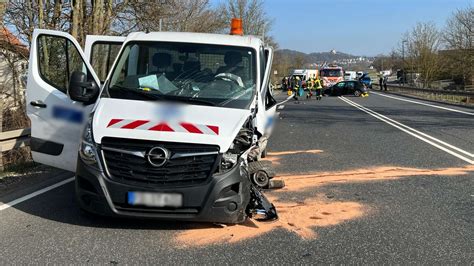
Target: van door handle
[38, 103]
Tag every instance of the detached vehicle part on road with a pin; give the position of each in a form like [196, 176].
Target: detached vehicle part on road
[352, 87]
[165, 123]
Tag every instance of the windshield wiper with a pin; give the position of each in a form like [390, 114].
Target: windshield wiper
[193, 100]
[147, 95]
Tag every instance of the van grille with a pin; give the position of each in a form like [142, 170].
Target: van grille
[124, 167]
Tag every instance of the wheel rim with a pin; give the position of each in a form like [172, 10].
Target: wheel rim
[357, 93]
[260, 178]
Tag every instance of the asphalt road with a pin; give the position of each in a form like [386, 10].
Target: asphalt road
[359, 190]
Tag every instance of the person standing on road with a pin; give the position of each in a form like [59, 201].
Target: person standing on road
[381, 81]
[296, 87]
[300, 86]
[318, 86]
[291, 85]
[385, 79]
[310, 87]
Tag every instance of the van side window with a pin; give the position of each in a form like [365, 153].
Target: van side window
[58, 58]
[102, 58]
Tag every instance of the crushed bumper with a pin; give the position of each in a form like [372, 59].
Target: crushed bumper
[222, 199]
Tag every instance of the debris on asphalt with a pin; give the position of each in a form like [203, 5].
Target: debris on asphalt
[298, 218]
[260, 208]
[281, 153]
[302, 217]
[275, 157]
[305, 181]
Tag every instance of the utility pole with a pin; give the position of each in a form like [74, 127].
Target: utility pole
[403, 62]
[3, 4]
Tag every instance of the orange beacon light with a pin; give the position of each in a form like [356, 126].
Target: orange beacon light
[236, 27]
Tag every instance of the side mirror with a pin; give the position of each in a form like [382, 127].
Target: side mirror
[82, 90]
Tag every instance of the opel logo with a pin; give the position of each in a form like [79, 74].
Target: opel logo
[158, 156]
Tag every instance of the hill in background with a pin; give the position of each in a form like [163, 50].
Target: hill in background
[320, 58]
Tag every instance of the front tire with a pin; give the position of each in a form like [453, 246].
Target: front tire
[261, 179]
[357, 93]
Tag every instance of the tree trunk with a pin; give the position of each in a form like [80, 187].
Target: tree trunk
[2, 168]
[2, 11]
[76, 17]
[45, 44]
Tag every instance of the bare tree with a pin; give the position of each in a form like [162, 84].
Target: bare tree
[423, 43]
[172, 15]
[25, 16]
[254, 18]
[79, 17]
[459, 39]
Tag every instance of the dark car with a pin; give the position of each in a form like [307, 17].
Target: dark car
[351, 87]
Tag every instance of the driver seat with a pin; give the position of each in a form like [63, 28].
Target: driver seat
[232, 62]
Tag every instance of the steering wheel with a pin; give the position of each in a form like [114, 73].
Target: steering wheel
[230, 77]
[186, 88]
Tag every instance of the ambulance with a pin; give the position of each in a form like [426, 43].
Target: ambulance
[158, 125]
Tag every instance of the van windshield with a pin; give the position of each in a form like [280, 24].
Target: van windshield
[214, 75]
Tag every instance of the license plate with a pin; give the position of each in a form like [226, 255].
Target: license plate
[151, 199]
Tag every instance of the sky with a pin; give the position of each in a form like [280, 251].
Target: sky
[359, 27]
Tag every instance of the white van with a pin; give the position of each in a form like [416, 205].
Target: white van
[350, 75]
[165, 128]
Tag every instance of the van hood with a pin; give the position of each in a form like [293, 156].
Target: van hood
[168, 122]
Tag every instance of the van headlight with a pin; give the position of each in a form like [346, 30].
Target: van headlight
[238, 149]
[88, 151]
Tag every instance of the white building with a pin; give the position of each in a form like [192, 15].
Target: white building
[13, 63]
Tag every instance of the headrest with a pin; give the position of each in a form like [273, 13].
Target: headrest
[161, 60]
[232, 58]
[191, 66]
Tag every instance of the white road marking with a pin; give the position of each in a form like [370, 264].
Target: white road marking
[409, 130]
[281, 107]
[423, 134]
[426, 104]
[34, 194]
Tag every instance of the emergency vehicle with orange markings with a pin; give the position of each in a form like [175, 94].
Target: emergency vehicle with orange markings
[331, 75]
[159, 124]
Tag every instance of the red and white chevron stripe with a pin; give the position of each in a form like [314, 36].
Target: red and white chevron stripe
[163, 126]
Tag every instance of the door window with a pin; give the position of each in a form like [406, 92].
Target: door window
[269, 100]
[58, 58]
[341, 85]
[350, 85]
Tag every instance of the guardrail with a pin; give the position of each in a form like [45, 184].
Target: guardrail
[464, 97]
[448, 92]
[14, 139]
